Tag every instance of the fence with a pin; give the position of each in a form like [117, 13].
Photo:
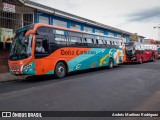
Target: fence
[9, 23]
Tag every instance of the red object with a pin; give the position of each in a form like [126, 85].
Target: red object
[152, 42]
[143, 54]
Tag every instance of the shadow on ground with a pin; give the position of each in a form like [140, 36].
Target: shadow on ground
[41, 78]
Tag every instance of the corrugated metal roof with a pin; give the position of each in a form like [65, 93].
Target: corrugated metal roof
[57, 12]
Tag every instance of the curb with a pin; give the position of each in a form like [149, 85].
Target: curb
[7, 77]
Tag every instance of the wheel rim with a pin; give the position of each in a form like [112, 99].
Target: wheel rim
[141, 60]
[61, 70]
[111, 64]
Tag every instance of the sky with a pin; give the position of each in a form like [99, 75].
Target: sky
[136, 16]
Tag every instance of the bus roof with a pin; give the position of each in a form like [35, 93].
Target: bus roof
[37, 25]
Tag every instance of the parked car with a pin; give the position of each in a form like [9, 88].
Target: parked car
[159, 52]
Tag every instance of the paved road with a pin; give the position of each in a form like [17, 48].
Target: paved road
[126, 87]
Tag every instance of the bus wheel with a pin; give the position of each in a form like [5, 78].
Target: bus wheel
[111, 64]
[152, 58]
[60, 70]
[141, 60]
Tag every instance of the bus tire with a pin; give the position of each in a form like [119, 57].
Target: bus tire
[141, 60]
[111, 63]
[153, 58]
[60, 70]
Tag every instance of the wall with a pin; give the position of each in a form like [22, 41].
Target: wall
[51, 17]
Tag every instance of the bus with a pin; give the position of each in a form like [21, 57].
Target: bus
[41, 49]
[138, 52]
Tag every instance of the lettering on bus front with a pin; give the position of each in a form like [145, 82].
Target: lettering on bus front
[77, 52]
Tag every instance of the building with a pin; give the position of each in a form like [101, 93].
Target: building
[18, 13]
[137, 38]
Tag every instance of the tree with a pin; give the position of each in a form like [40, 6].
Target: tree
[134, 37]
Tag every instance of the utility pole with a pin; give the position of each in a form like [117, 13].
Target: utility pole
[158, 27]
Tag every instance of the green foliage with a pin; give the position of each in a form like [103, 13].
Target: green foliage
[134, 37]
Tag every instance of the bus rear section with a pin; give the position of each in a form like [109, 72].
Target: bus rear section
[139, 53]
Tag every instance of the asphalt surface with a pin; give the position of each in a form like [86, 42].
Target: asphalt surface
[129, 87]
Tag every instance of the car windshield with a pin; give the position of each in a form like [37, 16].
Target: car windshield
[21, 46]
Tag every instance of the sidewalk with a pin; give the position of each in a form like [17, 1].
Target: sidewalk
[6, 77]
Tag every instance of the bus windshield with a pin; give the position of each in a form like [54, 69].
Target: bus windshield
[129, 47]
[21, 46]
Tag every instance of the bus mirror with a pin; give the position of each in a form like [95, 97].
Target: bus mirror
[30, 32]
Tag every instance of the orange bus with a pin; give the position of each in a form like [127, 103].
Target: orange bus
[40, 49]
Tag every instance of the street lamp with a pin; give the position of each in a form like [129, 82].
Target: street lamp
[158, 27]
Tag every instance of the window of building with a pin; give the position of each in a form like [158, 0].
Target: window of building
[28, 19]
[59, 23]
[43, 19]
[119, 35]
[75, 26]
[88, 29]
[110, 34]
[101, 32]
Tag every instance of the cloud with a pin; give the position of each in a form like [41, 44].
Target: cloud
[148, 15]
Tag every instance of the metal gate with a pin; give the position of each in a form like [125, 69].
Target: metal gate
[11, 21]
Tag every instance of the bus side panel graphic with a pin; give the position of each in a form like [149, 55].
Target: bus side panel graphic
[100, 59]
[76, 59]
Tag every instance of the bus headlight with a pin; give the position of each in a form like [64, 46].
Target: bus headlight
[27, 66]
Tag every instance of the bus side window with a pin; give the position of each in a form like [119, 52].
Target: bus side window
[60, 39]
[93, 41]
[85, 40]
[110, 42]
[100, 42]
[75, 40]
[42, 44]
[119, 43]
[97, 41]
[45, 43]
[104, 42]
[89, 40]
